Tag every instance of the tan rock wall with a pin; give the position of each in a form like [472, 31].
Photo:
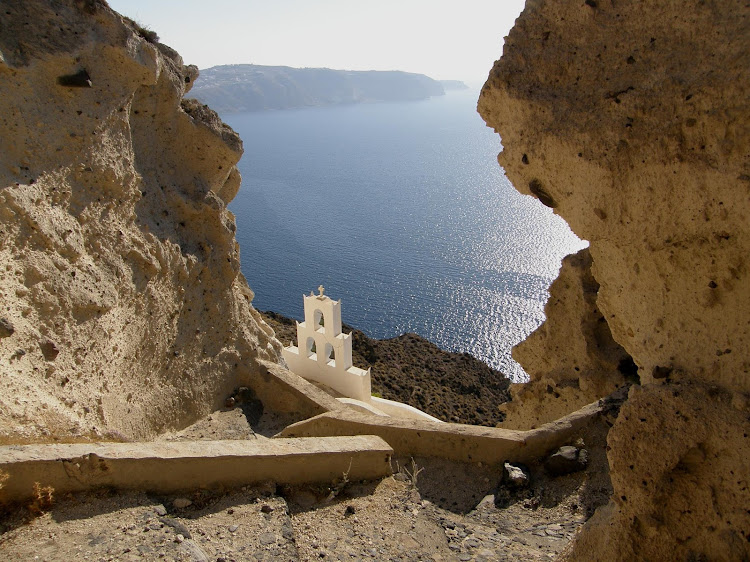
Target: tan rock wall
[571, 358]
[115, 242]
[631, 120]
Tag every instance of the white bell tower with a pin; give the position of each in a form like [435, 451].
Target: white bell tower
[324, 353]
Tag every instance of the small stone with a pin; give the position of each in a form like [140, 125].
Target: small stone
[488, 502]
[177, 525]
[6, 328]
[179, 538]
[267, 538]
[515, 476]
[350, 510]
[287, 531]
[230, 402]
[181, 503]
[233, 528]
[265, 508]
[160, 510]
[565, 460]
[49, 349]
[472, 543]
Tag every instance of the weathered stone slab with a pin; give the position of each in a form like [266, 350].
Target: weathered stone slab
[170, 467]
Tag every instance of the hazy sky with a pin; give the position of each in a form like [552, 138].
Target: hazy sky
[457, 39]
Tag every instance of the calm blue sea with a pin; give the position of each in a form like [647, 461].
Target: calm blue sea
[402, 212]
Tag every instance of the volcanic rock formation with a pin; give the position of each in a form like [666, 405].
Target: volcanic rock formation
[631, 121]
[571, 358]
[122, 303]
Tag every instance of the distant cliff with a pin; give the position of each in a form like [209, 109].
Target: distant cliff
[249, 87]
[453, 85]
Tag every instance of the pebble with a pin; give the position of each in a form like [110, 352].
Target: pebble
[181, 503]
[49, 349]
[265, 508]
[160, 510]
[6, 328]
[267, 538]
[515, 476]
[177, 525]
[233, 528]
[565, 460]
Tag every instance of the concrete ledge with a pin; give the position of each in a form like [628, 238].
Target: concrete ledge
[173, 466]
[281, 390]
[468, 443]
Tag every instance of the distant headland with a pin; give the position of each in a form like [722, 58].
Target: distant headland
[249, 87]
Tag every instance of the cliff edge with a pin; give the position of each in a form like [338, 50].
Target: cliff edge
[630, 120]
[122, 302]
[251, 87]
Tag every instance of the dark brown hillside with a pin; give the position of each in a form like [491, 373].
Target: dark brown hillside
[453, 387]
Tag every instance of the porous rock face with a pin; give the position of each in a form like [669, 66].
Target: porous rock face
[630, 119]
[571, 358]
[119, 271]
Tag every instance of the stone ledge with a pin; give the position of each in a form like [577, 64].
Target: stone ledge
[170, 467]
[465, 443]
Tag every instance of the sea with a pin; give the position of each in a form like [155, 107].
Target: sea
[401, 211]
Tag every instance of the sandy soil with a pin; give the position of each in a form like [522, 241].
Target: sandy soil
[429, 510]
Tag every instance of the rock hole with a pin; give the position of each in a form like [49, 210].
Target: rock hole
[535, 186]
[661, 372]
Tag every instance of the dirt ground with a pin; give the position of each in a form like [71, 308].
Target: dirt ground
[428, 510]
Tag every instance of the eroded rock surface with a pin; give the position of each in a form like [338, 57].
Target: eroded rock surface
[630, 120]
[571, 358]
[119, 270]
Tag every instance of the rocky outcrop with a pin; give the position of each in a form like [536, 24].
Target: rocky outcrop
[630, 120]
[119, 271]
[571, 358]
[251, 87]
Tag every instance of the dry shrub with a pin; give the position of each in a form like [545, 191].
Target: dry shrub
[43, 499]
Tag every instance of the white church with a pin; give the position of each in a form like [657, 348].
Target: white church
[324, 355]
